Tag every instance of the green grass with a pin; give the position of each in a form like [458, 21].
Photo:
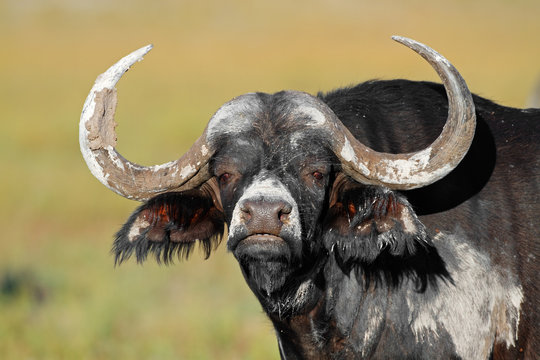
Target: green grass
[60, 295]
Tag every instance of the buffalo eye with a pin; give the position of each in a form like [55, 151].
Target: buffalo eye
[317, 175]
[224, 178]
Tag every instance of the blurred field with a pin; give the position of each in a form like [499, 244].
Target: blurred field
[60, 295]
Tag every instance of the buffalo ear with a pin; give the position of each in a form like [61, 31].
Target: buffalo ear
[365, 221]
[170, 224]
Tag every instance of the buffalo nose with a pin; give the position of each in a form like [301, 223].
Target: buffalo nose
[265, 217]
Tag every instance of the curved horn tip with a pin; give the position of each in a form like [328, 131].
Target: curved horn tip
[410, 43]
[110, 77]
[139, 53]
[432, 56]
[402, 39]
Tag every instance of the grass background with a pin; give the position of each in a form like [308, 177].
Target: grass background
[60, 295]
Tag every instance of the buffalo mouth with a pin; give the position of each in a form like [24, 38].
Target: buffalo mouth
[263, 247]
[262, 239]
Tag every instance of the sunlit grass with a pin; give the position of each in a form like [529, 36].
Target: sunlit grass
[61, 296]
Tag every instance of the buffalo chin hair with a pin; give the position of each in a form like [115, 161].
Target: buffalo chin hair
[266, 277]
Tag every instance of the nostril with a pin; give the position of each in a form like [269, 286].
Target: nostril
[284, 213]
[284, 216]
[286, 209]
[245, 212]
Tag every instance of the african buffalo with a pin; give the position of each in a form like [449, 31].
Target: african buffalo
[356, 243]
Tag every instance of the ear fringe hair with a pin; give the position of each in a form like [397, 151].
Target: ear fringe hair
[375, 233]
[164, 251]
[422, 265]
[424, 268]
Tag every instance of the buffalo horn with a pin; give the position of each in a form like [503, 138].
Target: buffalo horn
[421, 168]
[97, 140]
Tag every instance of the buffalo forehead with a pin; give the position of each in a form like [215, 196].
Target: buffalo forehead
[240, 152]
[287, 110]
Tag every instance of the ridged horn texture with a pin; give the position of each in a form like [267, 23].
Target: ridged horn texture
[97, 140]
[421, 168]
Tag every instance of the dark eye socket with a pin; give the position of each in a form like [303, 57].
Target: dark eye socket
[224, 178]
[317, 175]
